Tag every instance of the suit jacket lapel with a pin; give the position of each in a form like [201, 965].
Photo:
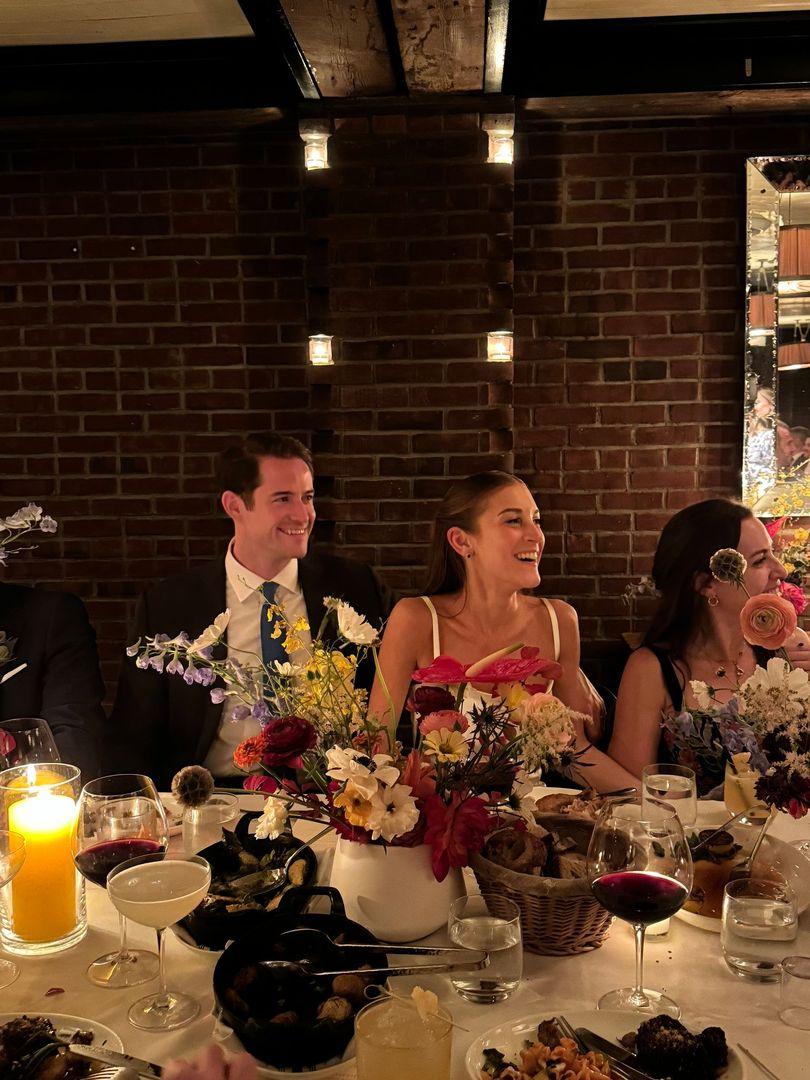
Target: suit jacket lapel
[314, 588]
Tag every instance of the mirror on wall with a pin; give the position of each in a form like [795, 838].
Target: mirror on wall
[776, 445]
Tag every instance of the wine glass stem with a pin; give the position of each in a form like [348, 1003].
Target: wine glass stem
[162, 999]
[122, 945]
[638, 997]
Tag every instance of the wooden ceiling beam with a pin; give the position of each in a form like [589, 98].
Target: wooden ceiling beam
[442, 44]
[638, 106]
[495, 49]
[345, 46]
[270, 26]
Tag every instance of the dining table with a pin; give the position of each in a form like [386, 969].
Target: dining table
[686, 963]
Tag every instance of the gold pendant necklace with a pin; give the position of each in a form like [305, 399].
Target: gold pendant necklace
[720, 673]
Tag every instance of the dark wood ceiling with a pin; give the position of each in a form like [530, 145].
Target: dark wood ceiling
[342, 51]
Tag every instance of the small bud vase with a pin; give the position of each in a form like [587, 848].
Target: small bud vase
[392, 890]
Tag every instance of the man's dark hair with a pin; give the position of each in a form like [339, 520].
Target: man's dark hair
[239, 465]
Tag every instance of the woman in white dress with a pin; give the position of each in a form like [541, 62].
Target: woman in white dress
[487, 544]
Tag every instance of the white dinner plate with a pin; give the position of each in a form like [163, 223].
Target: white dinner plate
[102, 1035]
[510, 1036]
[774, 855]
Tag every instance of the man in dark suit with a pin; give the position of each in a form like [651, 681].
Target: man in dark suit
[61, 683]
[159, 723]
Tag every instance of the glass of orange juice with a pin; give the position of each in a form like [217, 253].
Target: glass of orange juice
[739, 791]
[392, 1039]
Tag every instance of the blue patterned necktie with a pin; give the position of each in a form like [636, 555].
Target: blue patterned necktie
[272, 647]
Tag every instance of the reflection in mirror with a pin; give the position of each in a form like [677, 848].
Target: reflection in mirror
[776, 478]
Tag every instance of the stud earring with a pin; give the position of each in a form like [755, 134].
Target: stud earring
[713, 600]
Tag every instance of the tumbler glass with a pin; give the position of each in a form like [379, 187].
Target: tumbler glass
[471, 925]
[794, 992]
[673, 784]
[759, 918]
[392, 1039]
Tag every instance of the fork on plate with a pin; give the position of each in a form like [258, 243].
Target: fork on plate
[618, 1068]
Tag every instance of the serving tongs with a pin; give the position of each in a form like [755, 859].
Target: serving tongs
[317, 939]
[310, 968]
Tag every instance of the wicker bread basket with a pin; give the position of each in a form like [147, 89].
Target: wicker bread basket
[557, 917]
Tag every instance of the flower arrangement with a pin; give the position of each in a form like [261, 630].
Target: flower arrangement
[29, 518]
[318, 756]
[766, 718]
[791, 545]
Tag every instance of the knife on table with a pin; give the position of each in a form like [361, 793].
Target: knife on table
[113, 1057]
[613, 1051]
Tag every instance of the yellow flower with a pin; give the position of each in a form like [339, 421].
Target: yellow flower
[512, 694]
[355, 807]
[445, 745]
[300, 625]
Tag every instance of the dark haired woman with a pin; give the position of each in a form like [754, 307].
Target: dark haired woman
[695, 633]
[487, 544]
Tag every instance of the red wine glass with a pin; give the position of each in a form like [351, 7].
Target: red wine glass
[119, 818]
[640, 869]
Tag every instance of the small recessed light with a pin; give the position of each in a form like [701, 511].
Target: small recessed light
[499, 346]
[320, 349]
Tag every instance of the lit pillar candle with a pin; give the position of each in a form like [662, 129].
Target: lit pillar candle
[43, 894]
[39, 777]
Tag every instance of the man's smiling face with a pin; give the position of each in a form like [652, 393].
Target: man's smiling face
[276, 522]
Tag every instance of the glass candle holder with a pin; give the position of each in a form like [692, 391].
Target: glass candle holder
[44, 906]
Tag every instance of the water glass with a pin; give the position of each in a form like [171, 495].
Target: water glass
[392, 1039]
[794, 992]
[202, 825]
[673, 784]
[473, 926]
[759, 917]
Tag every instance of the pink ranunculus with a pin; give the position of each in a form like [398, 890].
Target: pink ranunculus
[444, 671]
[797, 809]
[7, 742]
[258, 782]
[419, 775]
[767, 620]
[455, 832]
[447, 718]
[511, 671]
[286, 738]
[794, 594]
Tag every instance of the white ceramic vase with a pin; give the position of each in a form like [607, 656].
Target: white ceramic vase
[392, 890]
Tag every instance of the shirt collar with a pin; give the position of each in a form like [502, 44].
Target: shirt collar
[244, 581]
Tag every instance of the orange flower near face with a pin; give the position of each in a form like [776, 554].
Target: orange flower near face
[768, 620]
[249, 753]
[356, 808]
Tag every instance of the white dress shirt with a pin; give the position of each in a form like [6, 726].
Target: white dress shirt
[244, 598]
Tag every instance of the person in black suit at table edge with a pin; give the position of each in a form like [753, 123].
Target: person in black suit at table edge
[159, 723]
[62, 683]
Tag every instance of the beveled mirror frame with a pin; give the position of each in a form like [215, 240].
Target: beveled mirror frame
[777, 296]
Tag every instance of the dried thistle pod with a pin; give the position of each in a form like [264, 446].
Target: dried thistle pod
[728, 565]
[193, 786]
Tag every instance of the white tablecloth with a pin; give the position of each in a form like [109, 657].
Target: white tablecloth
[686, 964]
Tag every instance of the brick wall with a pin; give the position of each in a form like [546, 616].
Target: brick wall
[156, 294]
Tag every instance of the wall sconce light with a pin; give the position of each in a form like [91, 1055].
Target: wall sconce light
[320, 349]
[315, 134]
[500, 129]
[499, 346]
